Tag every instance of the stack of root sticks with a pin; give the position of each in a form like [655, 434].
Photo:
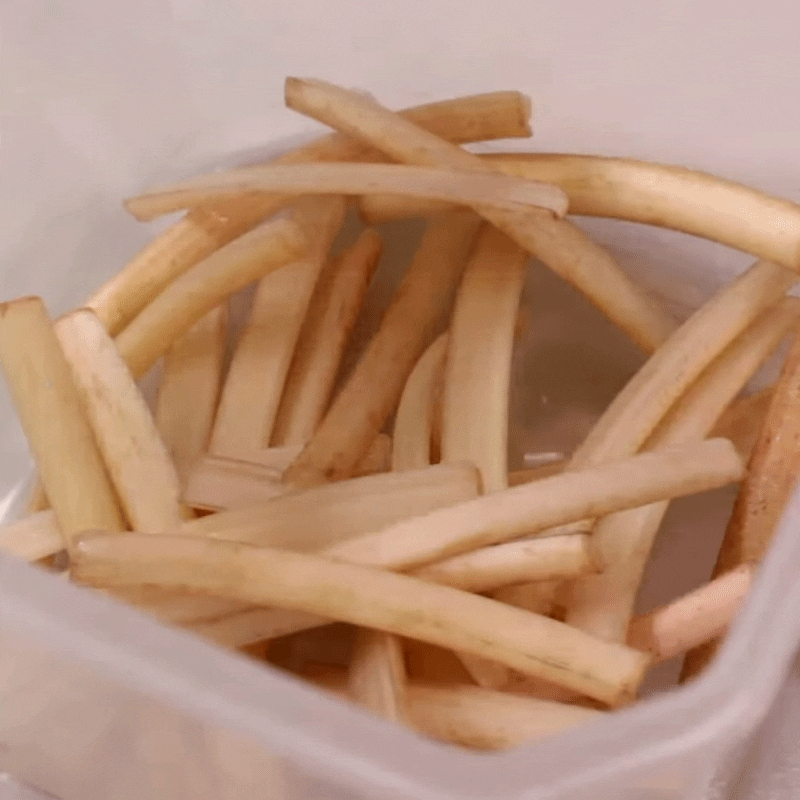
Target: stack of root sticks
[357, 524]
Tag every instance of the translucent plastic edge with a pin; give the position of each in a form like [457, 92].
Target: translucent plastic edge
[291, 719]
[340, 743]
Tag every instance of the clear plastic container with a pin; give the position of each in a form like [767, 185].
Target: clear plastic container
[97, 701]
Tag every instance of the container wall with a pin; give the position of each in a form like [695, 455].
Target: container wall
[69, 729]
[98, 701]
[74, 733]
[769, 766]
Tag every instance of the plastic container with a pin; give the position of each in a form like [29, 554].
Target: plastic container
[97, 701]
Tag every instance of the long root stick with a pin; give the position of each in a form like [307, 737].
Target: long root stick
[398, 604]
[53, 418]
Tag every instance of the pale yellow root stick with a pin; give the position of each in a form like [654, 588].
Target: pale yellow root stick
[477, 371]
[216, 483]
[336, 512]
[134, 454]
[413, 425]
[695, 618]
[510, 514]
[699, 407]
[474, 717]
[166, 258]
[374, 388]
[639, 407]
[541, 597]
[541, 505]
[556, 242]
[603, 603]
[187, 395]
[332, 314]
[477, 375]
[346, 178]
[414, 433]
[377, 676]
[655, 194]
[550, 558]
[312, 520]
[370, 598]
[475, 400]
[376, 459]
[495, 115]
[254, 383]
[191, 296]
[189, 390]
[53, 419]
[771, 479]
[304, 521]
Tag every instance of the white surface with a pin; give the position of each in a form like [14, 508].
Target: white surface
[99, 98]
[11, 790]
